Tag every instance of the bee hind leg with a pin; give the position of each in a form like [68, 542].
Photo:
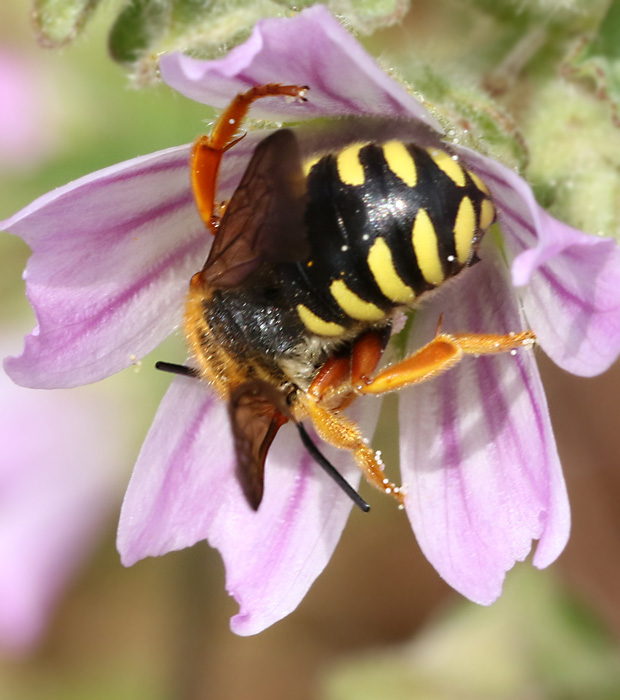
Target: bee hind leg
[442, 353]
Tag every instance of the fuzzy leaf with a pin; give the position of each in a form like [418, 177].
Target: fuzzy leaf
[599, 61]
[140, 25]
[58, 22]
[146, 28]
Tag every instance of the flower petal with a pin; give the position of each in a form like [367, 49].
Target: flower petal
[312, 48]
[477, 449]
[184, 490]
[572, 298]
[112, 256]
[573, 301]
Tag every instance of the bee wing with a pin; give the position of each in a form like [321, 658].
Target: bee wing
[257, 411]
[263, 221]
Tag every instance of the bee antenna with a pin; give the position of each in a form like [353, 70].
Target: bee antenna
[329, 468]
[183, 370]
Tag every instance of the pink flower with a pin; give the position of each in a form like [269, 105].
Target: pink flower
[60, 477]
[112, 257]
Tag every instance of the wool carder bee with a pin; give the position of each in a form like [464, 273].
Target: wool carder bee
[311, 261]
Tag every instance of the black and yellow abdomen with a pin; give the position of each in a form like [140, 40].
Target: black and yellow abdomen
[385, 223]
[378, 226]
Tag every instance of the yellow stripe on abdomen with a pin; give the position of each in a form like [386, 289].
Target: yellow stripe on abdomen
[479, 183]
[424, 241]
[400, 162]
[315, 324]
[448, 165]
[464, 229]
[353, 305]
[350, 169]
[381, 266]
[487, 214]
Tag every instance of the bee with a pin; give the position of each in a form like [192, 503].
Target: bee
[311, 262]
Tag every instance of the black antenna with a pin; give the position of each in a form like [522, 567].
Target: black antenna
[313, 450]
[329, 468]
[183, 370]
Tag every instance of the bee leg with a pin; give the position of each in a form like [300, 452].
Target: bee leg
[339, 431]
[334, 374]
[366, 355]
[333, 427]
[352, 368]
[442, 353]
[208, 150]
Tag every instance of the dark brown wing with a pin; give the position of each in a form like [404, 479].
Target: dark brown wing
[264, 218]
[256, 412]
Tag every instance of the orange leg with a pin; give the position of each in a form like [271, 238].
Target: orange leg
[354, 368]
[365, 357]
[337, 430]
[332, 426]
[443, 352]
[208, 150]
[333, 374]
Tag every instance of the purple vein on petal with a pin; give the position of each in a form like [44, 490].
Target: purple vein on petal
[182, 162]
[503, 319]
[585, 305]
[519, 241]
[278, 545]
[295, 501]
[123, 172]
[81, 351]
[172, 484]
[535, 407]
[179, 163]
[126, 228]
[496, 410]
[554, 515]
[576, 327]
[451, 459]
[115, 304]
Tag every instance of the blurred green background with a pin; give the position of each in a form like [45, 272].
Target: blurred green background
[378, 623]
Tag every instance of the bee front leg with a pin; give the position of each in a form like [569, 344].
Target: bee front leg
[208, 149]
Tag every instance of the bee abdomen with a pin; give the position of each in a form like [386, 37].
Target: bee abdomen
[386, 223]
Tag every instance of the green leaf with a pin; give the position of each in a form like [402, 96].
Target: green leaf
[607, 40]
[140, 25]
[204, 28]
[548, 11]
[366, 16]
[597, 63]
[574, 157]
[59, 22]
[470, 117]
